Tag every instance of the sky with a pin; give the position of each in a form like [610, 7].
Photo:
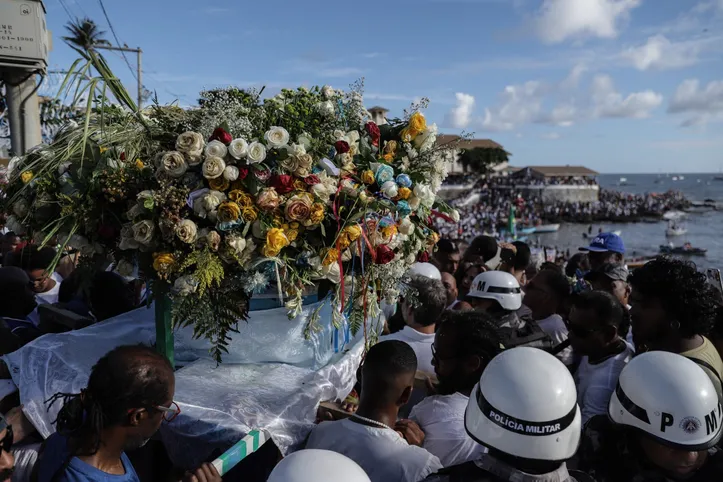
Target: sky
[620, 86]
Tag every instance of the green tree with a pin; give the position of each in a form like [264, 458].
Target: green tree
[481, 159]
[84, 34]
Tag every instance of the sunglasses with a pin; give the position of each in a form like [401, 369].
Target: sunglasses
[7, 442]
[169, 413]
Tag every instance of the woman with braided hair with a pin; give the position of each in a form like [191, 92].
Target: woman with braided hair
[129, 394]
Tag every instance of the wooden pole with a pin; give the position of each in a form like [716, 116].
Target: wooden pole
[164, 329]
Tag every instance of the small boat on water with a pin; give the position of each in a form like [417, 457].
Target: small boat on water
[547, 228]
[673, 215]
[527, 230]
[686, 249]
[674, 178]
[675, 230]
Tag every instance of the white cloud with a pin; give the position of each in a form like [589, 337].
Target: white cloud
[704, 104]
[559, 20]
[520, 104]
[389, 97]
[550, 136]
[461, 115]
[659, 53]
[608, 102]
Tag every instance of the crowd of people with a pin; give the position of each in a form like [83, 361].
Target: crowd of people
[498, 195]
[531, 372]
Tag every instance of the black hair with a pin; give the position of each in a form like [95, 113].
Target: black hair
[447, 246]
[484, 246]
[550, 266]
[477, 333]
[683, 291]
[608, 309]
[557, 282]
[430, 300]
[31, 258]
[111, 295]
[523, 256]
[384, 362]
[577, 261]
[126, 378]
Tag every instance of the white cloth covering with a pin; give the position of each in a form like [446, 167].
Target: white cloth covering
[383, 454]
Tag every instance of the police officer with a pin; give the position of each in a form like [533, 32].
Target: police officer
[317, 466]
[663, 424]
[524, 410]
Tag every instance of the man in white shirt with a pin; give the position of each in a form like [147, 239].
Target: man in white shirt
[464, 345]
[595, 319]
[546, 296]
[372, 437]
[46, 285]
[422, 307]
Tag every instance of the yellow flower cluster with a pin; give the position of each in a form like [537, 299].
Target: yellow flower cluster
[163, 263]
[27, 176]
[417, 125]
[348, 235]
[276, 240]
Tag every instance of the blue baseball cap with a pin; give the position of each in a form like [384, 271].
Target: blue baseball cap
[604, 242]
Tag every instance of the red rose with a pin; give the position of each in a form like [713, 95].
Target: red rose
[283, 183]
[262, 175]
[243, 172]
[123, 156]
[342, 147]
[221, 135]
[312, 180]
[373, 131]
[384, 254]
[423, 257]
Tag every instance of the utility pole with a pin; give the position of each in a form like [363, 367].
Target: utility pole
[23, 110]
[139, 72]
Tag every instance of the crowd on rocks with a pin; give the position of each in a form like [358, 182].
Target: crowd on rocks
[532, 373]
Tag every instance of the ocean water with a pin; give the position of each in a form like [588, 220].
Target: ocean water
[705, 229]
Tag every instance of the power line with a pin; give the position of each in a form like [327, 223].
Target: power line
[115, 36]
[62, 4]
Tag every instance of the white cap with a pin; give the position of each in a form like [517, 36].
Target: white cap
[525, 405]
[428, 270]
[497, 285]
[669, 398]
[313, 465]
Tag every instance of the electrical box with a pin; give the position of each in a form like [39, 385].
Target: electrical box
[24, 39]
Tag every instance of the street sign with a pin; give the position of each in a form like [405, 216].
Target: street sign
[24, 38]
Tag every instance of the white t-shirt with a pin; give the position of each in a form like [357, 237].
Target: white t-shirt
[441, 418]
[381, 452]
[421, 343]
[596, 382]
[48, 298]
[555, 327]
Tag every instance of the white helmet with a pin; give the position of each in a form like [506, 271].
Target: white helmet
[525, 405]
[428, 270]
[497, 285]
[670, 398]
[313, 465]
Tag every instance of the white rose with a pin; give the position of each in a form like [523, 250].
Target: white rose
[332, 272]
[325, 108]
[230, 173]
[414, 202]
[187, 231]
[125, 268]
[327, 92]
[454, 214]
[213, 167]
[389, 189]
[216, 149]
[194, 158]
[352, 137]
[20, 208]
[305, 141]
[338, 135]
[174, 164]
[238, 148]
[237, 243]
[189, 142]
[256, 153]
[211, 200]
[185, 285]
[426, 139]
[143, 232]
[277, 137]
[406, 226]
[425, 194]
[297, 150]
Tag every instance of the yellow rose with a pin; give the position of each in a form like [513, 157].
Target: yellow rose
[294, 225]
[299, 185]
[249, 213]
[219, 184]
[276, 240]
[241, 198]
[331, 256]
[407, 135]
[390, 147]
[139, 164]
[317, 214]
[367, 177]
[433, 238]
[163, 262]
[292, 234]
[388, 157]
[354, 232]
[237, 184]
[343, 241]
[389, 231]
[269, 252]
[417, 124]
[404, 193]
[228, 212]
[27, 176]
[103, 149]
